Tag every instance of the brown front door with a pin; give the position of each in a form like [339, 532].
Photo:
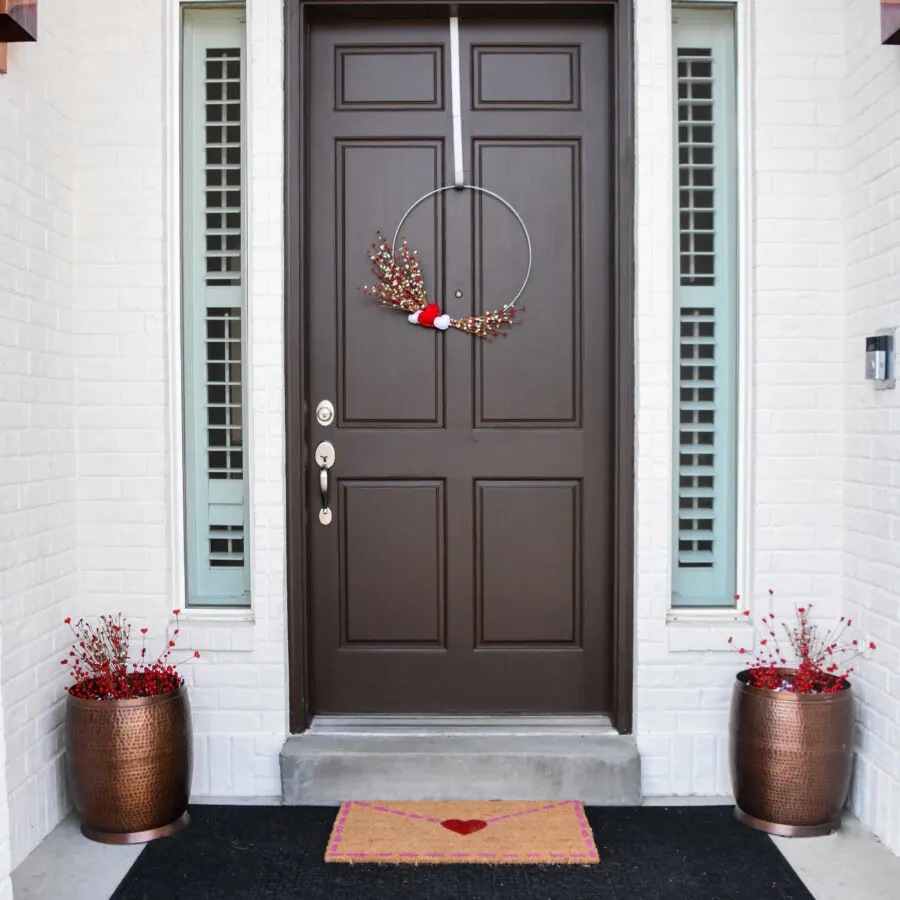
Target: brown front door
[468, 565]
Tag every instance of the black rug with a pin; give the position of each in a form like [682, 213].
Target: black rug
[646, 853]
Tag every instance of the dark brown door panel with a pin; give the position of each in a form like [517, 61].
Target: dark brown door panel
[469, 563]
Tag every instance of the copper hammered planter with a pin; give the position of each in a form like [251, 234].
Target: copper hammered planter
[791, 758]
[129, 764]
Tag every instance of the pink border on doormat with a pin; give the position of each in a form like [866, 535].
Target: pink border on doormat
[334, 854]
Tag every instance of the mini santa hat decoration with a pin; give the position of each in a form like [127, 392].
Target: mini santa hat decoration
[430, 317]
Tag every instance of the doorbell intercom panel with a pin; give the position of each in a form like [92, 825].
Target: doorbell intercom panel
[880, 358]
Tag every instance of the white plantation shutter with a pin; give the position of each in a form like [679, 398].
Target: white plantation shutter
[214, 307]
[706, 321]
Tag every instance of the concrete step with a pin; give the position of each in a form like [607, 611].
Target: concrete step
[325, 769]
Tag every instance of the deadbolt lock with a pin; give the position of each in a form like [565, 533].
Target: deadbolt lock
[325, 412]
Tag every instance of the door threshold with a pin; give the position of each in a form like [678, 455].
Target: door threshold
[429, 725]
[327, 768]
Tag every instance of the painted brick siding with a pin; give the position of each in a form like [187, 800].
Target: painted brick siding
[797, 303]
[120, 336]
[38, 563]
[127, 333]
[86, 364]
[793, 165]
[872, 418]
[5, 855]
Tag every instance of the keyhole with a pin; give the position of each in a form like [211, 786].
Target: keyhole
[458, 295]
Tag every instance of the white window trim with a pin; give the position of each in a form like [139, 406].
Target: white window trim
[173, 13]
[746, 165]
[177, 506]
[724, 617]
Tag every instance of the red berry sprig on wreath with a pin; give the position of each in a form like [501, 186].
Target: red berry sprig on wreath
[401, 287]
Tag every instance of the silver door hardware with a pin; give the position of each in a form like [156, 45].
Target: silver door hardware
[325, 456]
[325, 412]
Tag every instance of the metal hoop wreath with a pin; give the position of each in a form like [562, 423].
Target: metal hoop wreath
[506, 203]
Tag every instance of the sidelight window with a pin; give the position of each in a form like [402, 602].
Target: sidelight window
[706, 350]
[214, 307]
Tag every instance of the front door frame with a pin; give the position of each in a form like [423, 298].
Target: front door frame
[295, 317]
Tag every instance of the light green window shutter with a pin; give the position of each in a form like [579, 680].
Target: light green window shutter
[706, 321]
[214, 293]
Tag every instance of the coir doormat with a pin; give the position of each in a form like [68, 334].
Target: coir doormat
[495, 832]
[278, 853]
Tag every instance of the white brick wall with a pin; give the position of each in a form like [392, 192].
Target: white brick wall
[119, 327]
[872, 418]
[826, 470]
[37, 462]
[795, 247]
[84, 222]
[5, 857]
[798, 323]
[126, 327]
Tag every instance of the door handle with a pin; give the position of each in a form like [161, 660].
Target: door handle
[325, 457]
[325, 511]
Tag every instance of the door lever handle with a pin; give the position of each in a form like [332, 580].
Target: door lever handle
[323, 488]
[325, 457]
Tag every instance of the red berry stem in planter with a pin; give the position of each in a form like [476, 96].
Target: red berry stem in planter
[100, 662]
[820, 663]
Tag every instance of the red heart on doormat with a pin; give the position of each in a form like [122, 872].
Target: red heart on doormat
[469, 826]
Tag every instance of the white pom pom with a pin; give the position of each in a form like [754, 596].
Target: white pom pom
[414, 317]
[442, 322]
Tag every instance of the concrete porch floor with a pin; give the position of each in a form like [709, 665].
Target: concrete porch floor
[849, 864]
